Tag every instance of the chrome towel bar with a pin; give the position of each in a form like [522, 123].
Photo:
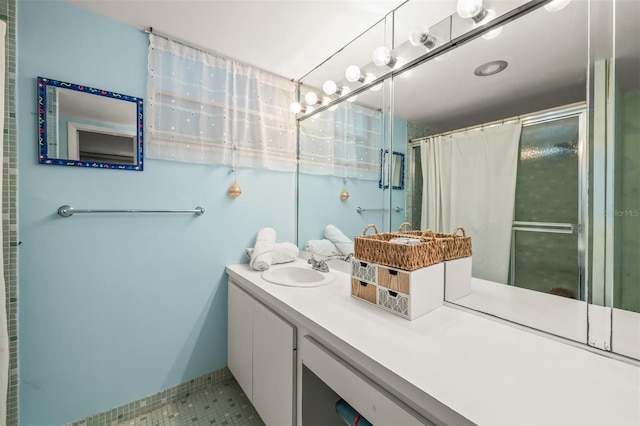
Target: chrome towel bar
[361, 210]
[66, 211]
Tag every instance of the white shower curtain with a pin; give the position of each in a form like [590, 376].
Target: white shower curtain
[476, 170]
[431, 194]
[4, 337]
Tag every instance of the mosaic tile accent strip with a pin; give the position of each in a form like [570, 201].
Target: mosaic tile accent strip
[9, 205]
[173, 397]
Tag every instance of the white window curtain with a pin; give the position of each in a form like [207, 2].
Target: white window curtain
[470, 181]
[344, 143]
[204, 108]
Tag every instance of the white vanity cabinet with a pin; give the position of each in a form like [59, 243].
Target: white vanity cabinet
[261, 356]
[445, 367]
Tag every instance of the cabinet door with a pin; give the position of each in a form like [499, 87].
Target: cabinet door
[273, 367]
[240, 337]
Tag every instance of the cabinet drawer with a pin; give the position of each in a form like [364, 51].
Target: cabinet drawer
[363, 290]
[372, 401]
[393, 280]
[364, 271]
[394, 301]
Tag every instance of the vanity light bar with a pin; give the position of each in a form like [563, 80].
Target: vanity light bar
[67, 211]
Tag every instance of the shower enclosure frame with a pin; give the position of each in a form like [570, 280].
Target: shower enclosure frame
[581, 228]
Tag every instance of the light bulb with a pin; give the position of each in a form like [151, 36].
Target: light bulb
[376, 87]
[311, 98]
[308, 109]
[421, 37]
[489, 16]
[295, 107]
[329, 87]
[345, 91]
[353, 74]
[382, 56]
[492, 34]
[368, 78]
[556, 5]
[399, 64]
[469, 8]
[326, 101]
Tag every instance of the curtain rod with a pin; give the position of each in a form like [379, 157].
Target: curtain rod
[150, 30]
[537, 116]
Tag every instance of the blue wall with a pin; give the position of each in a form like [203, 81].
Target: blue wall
[399, 140]
[321, 205]
[113, 308]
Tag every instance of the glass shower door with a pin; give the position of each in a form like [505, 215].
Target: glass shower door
[547, 250]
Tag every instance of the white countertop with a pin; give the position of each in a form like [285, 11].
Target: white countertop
[486, 371]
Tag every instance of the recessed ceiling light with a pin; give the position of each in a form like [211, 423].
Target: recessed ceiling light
[490, 68]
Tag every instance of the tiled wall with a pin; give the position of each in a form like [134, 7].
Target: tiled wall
[414, 186]
[415, 131]
[627, 210]
[9, 194]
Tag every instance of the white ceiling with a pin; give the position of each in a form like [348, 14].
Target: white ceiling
[287, 38]
[546, 51]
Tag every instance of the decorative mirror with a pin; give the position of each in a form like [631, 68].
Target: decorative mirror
[393, 171]
[87, 127]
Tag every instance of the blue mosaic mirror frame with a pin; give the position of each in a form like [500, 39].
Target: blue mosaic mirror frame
[386, 169]
[110, 123]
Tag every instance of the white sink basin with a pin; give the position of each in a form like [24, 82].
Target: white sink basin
[297, 276]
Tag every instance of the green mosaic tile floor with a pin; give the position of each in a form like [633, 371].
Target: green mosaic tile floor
[220, 405]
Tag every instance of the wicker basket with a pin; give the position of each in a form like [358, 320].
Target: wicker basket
[454, 246]
[377, 248]
[410, 231]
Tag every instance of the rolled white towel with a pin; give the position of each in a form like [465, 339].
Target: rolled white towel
[322, 247]
[282, 253]
[337, 237]
[262, 254]
[285, 252]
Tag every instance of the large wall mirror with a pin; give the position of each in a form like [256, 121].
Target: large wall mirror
[560, 224]
[357, 130]
[88, 127]
[339, 166]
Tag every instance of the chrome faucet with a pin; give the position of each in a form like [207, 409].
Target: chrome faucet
[318, 265]
[346, 258]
